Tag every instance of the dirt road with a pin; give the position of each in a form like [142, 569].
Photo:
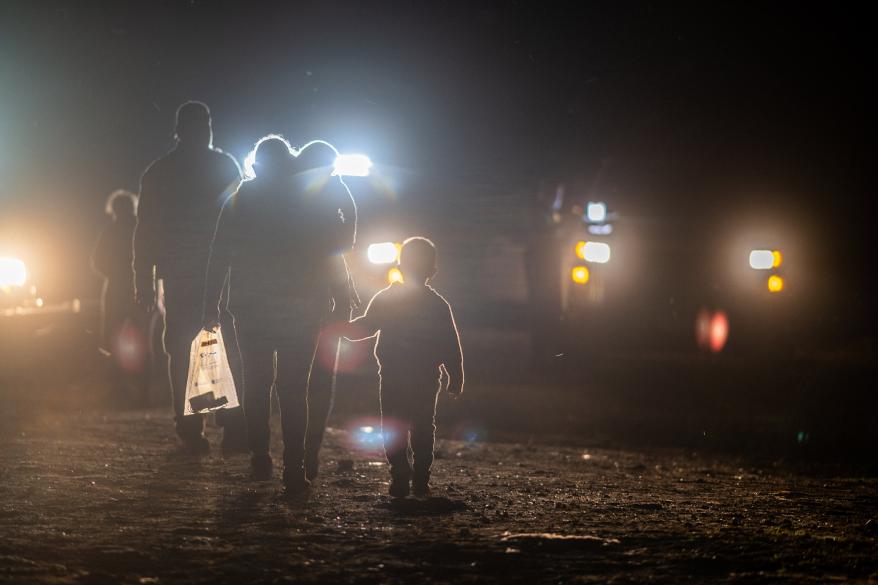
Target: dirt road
[107, 498]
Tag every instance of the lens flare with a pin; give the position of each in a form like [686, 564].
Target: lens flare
[775, 283]
[350, 356]
[719, 331]
[12, 272]
[394, 275]
[368, 434]
[129, 348]
[579, 274]
[711, 330]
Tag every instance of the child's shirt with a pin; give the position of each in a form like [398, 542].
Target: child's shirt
[416, 332]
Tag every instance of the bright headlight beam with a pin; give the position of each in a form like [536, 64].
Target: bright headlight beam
[761, 259]
[597, 252]
[383, 253]
[352, 165]
[12, 272]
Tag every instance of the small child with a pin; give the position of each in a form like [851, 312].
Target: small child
[417, 344]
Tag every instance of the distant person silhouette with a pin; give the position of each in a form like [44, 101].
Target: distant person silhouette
[122, 327]
[314, 168]
[181, 195]
[418, 344]
[276, 242]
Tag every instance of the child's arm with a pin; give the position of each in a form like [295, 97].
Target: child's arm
[367, 324]
[453, 355]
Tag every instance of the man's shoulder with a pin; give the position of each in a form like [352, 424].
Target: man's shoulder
[160, 165]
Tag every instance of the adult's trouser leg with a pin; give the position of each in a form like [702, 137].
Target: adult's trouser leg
[232, 419]
[258, 380]
[293, 369]
[321, 393]
[182, 323]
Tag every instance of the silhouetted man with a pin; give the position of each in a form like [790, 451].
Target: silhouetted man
[314, 167]
[276, 242]
[180, 197]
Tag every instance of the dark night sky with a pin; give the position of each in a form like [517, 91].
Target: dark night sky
[704, 108]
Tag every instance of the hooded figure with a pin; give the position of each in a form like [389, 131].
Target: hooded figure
[276, 244]
[181, 195]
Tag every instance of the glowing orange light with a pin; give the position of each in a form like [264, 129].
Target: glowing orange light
[579, 274]
[394, 275]
[775, 283]
[580, 250]
[776, 258]
[711, 330]
[719, 331]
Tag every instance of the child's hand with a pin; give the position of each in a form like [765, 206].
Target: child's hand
[454, 389]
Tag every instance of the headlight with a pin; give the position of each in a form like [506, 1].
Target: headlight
[352, 165]
[383, 253]
[12, 272]
[765, 259]
[597, 252]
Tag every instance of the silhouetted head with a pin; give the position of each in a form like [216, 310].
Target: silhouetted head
[193, 125]
[272, 157]
[316, 155]
[121, 204]
[418, 260]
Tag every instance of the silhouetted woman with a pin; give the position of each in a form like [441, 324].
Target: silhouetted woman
[276, 240]
[121, 331]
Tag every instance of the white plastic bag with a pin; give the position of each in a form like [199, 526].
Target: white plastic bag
[210, 385]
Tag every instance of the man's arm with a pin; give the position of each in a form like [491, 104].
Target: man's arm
[144, 242]
[452, 353]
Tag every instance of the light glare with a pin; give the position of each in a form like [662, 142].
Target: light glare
[12, 272]
[597, 252]
[596, 212]
[383, 253]
[775, 283]
[579, 274]
[777, 258]
[394, 275]
[761, 259]
[352, 165]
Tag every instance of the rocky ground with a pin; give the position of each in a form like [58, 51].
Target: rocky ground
[108, 498]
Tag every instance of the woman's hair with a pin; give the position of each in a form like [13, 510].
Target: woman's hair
[121, 202]
[270, 154]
